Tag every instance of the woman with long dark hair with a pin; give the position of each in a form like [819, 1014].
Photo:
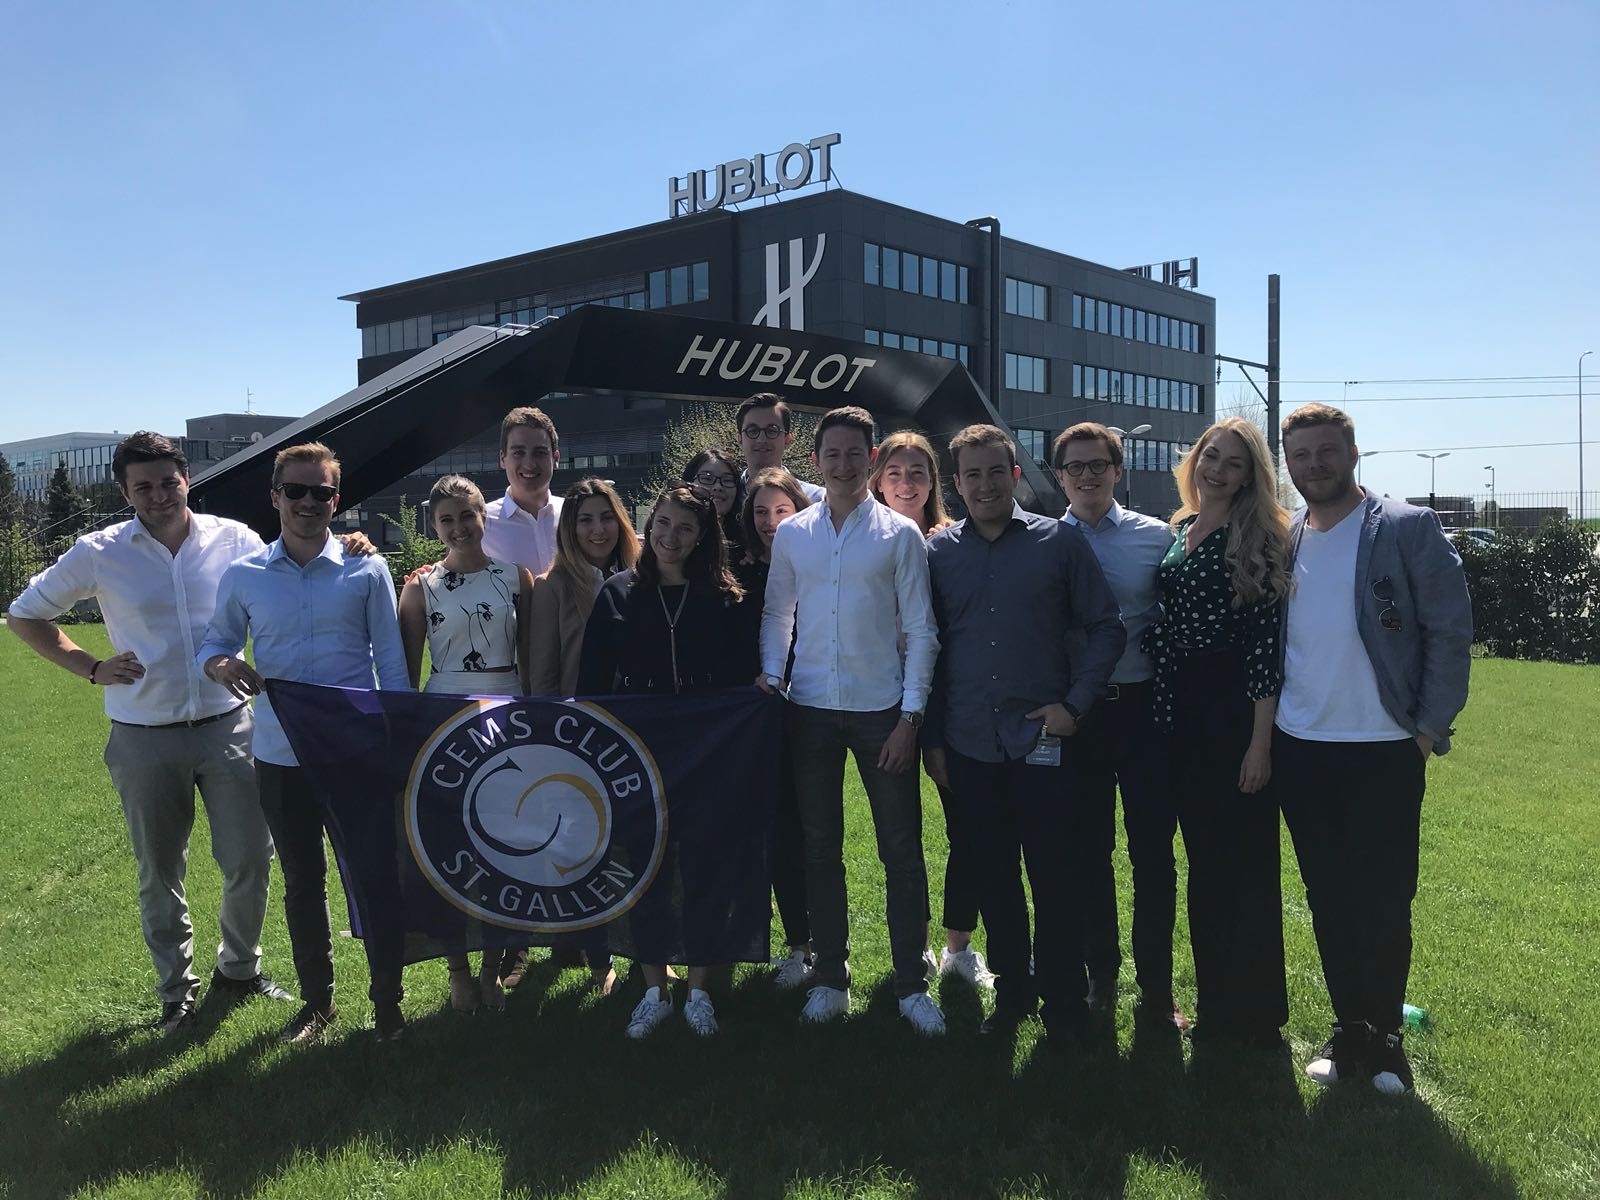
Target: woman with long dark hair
[720, 478]
[772, 496]
[1217, 681]
[671, 625]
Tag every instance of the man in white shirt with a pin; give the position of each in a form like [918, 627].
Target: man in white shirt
[849, 579]
[1377, 652]
[172, 729]
[520, 527]
[766, 431]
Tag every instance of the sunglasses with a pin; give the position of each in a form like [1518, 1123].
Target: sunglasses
[1383, 593]
[320, 492]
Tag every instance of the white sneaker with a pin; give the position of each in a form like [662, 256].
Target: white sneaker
[923, 1013]
[824, 1004]
[791, 972]
[967, 964]
[930, 966]
[648, 1013]
[702, 1018]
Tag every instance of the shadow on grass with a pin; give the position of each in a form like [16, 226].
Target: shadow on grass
[555, 1088]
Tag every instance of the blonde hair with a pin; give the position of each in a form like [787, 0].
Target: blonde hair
[306, 452]
[570, 559]
[933, 514]
[457, 487]
[1257, 551]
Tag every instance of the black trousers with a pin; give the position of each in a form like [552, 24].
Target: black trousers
[295, 819]
[1118, 745]
[786, 856]
[1235, 899]
[1354, 810]
[960, 909]
[1014, 810]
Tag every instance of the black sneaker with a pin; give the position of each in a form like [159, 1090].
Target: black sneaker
[1391, 1071]
[388, 1023]
[1341, 1057]
[309, 1024]
[242, 989]
[177, 1016]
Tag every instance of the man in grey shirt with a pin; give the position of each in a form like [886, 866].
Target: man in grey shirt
[1010, 589]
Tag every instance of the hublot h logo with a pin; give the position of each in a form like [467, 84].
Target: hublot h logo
[795, 294]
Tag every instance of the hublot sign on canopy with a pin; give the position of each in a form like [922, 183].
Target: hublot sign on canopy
[739, 179]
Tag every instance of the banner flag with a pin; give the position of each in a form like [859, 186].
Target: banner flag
[464, 824]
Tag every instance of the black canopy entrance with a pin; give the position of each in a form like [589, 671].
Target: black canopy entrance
[408, 416]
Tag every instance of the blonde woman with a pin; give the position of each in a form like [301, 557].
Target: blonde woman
[1218, 675]
[905, 476]
[471, 612]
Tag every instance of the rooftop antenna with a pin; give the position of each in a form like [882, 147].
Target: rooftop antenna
[249, 403]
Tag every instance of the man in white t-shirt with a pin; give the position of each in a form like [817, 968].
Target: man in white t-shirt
[1377, 642]
[520, 527]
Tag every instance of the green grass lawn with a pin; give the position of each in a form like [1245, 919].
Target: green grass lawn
[549, 1099]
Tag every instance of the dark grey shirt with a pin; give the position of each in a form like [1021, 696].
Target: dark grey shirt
[1006, 610]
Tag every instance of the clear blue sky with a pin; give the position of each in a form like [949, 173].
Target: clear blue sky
[187, 188]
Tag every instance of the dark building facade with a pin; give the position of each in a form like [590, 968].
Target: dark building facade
[1078, 341]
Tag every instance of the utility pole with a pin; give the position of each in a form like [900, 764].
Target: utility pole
[1494, 509]
[1273, 414]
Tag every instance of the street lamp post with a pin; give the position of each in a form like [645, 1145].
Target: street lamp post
[1494, 509]
[1433, 467]
[1128, 470]
[1581, 357]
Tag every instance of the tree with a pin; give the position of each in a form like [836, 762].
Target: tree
[700, 427]
[415, 549]
[10, 502]
[66, 511]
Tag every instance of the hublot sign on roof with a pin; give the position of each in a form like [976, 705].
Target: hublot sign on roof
[739, 179]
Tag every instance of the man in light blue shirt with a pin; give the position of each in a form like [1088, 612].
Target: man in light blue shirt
[316, 616]
[1119, 743]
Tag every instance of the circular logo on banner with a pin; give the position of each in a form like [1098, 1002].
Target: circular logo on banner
[536, 815]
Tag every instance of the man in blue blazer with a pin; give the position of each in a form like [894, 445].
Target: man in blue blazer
[1377, 647]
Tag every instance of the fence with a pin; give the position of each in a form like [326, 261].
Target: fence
[25, 550]
[1525, 511]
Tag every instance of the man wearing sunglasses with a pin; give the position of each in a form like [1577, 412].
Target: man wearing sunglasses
[316, 615]
[1119, 744]
[766, 430]
[172, 730]
[1370, 689]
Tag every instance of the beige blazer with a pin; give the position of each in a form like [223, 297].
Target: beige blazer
[559, 611]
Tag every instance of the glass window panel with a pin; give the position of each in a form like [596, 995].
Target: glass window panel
[369, 341]
[381, 339]
[1011, 295]
[1077, 380]
[678, 288]
[910, 272]
[891, 268]
[1116, 320]
[1011, 370]
[871, 337]
[892, 340]
[961, 353]
[961, 277]
[1077, 311]
[869, 264]
[947, 280]
[658, 291]
[1166, 331]
[702, 281]
[947, 349]
[930, 277]
[1102, 314]
[1103, 379]
[635, 299]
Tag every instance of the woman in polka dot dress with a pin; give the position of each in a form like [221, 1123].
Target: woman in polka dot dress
[1218, 675]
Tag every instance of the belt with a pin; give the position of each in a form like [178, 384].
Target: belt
[1125, 691]
[181, 724]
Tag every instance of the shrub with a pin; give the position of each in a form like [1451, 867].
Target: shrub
[1536, 597]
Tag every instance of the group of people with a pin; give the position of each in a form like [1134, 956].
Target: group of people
[1216, 670]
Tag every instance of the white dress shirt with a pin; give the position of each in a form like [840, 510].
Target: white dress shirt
[513, 534]
[327, 622]
[155, 603]
[812, 492]
[848, 597]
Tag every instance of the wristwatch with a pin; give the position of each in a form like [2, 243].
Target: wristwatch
[913, 719]
[1072, 709]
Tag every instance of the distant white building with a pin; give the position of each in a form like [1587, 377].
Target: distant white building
[87, 457]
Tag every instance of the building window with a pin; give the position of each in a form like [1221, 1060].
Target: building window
[886, 266]
[920, 345]
[1121, 320]
[1025, 373]
[1024, 299]
[1035, 443]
